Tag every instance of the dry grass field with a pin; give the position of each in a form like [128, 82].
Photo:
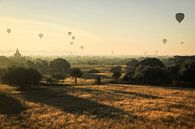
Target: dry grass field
[97, 107]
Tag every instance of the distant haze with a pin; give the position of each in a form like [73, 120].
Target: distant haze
[103, 27]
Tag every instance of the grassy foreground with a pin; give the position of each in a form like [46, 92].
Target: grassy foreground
[97, 107]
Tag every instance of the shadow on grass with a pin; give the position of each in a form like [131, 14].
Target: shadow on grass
[71, 104]
[141, 95]
[10, 105]
[145, 96]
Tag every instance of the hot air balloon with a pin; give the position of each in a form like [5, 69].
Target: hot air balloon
[40, 35]
[8, 31]
[82, 47]
[71, 43]
[182, 43]
[180, 17]
[164, 41]
[69, 33]
[73, 37]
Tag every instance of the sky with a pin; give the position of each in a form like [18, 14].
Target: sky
[102, 27]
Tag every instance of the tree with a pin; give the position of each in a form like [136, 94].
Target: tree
[151, 75]
[187, 71]
[93, 71]
[59, 65]
[42, 66]
[76, 73]
[153, 62]
[116, 72]
[57, 77]
[98, 80]
[59, 69]
[21, 77]
[4, 61]
[132, 64]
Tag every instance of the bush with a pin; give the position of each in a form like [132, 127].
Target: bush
[116, 72]
[98, 80]
[21, 77]
[93, 71]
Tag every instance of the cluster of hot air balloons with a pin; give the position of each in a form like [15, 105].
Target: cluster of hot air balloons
[73, 39]
[40, 35]
[179, 17]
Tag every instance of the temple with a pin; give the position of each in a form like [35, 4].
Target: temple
[17, 55]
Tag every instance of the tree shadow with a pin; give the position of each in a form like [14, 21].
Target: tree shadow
[10, 105]
[73, 104]
[146, 96]
[93, 91]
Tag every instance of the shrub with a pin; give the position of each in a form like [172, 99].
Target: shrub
[21, 77]
[93, 71]
[116, 72]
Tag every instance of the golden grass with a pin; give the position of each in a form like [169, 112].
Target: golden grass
[98, 107]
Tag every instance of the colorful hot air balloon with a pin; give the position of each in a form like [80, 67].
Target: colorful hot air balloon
[40, 36]
[180, 17]
[8, 31]
[164, 41]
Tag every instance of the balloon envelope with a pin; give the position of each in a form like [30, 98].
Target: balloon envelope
[8, 30]
[164, 41]
[82, 47]
[182, 43]
[71, 43]
[73, 37]
[40, 36]
[180, 17]
[69, 33]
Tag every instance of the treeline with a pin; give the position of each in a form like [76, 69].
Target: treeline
[30, 73]
[177, 71]
[174, 71]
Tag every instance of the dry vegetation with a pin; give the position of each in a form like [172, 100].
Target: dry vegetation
[97, 107]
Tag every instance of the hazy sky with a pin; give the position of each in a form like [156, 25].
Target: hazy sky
[127, 27]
